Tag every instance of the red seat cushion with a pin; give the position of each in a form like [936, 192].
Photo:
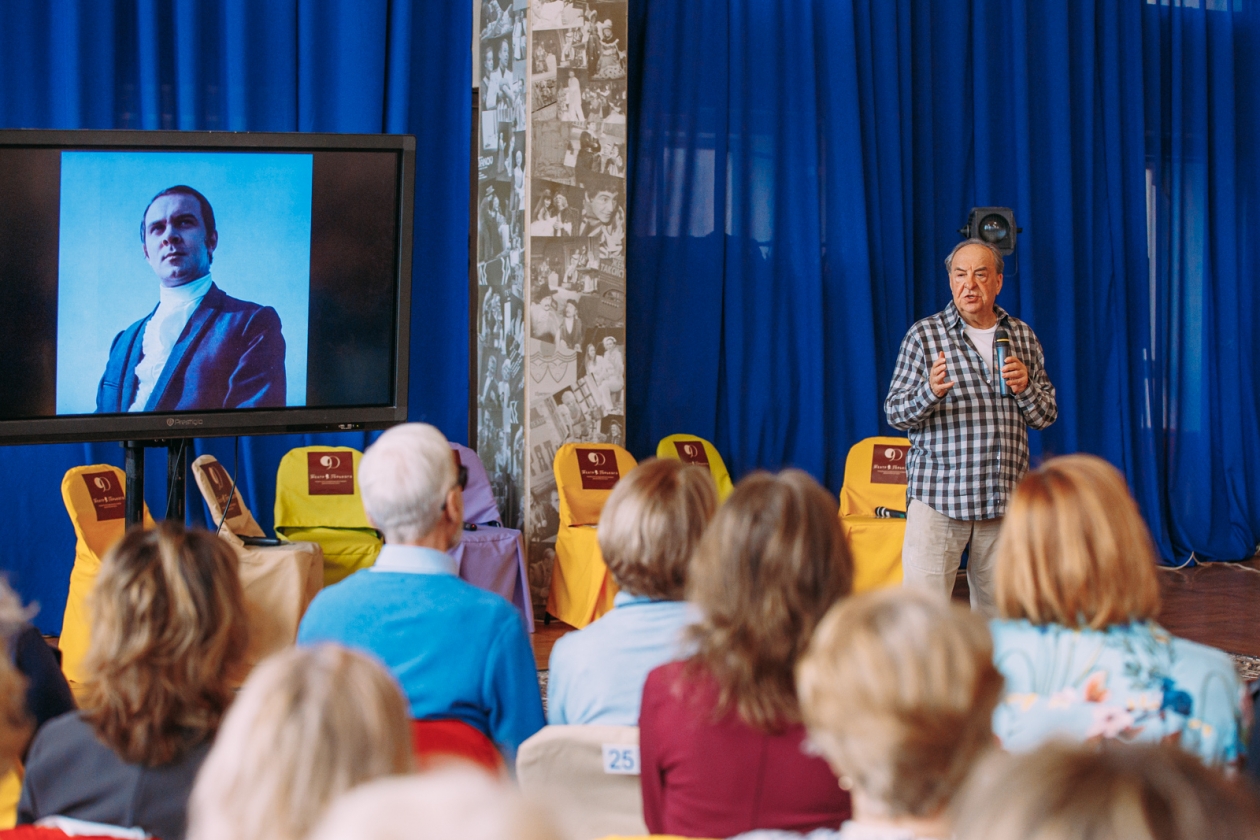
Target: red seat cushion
[433, 740]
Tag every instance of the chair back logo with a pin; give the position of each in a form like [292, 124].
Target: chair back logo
[107, 495]
[598, 468]
[329, 473]
[692, 452]
[221, 485]
[888, 464]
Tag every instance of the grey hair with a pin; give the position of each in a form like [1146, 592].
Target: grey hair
[998, 262]
[404, 478]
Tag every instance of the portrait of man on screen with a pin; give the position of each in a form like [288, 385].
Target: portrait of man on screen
[198, 349]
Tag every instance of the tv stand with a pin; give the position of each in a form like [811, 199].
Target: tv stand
[176, 477]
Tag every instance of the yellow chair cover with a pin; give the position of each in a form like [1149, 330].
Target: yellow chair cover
[95, 500]
[10, 793]
[317, 500]
[279, 581]
[581, 588]
[684, 448]
[874, 476]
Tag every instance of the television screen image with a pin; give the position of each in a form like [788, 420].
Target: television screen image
[154, 242]
[174, 284]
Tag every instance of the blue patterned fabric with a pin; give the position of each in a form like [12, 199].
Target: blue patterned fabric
[1131, 682]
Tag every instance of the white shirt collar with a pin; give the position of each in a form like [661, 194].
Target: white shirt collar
[185, 294]
[415, 560]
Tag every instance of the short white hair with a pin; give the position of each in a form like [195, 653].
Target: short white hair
[404, 478]
[457, 803]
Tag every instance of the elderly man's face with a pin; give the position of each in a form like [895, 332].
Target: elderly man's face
[175, 240]
[975, 282]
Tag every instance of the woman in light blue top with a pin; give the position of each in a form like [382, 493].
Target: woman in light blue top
[1077, 639]
[647, 531]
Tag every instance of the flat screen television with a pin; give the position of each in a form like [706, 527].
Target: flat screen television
[160, 285]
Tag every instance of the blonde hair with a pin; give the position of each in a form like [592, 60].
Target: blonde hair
[898, 689]
[1107, 791]
[309, 724]
[168, 634]
[651, 524]
[1074, 549]
[15, 723]
[771, 564]
[457, 803]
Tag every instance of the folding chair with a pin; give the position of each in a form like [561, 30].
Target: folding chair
[279, 581]
[697, 450]
[491, 557]
[95, 499]
[594, 770]
[317, 500]
[581, 588]
[874, 476]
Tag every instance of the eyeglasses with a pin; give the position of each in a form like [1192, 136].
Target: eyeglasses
[461, 481]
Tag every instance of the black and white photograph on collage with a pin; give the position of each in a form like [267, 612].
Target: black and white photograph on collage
[501, 234]
[576, 225]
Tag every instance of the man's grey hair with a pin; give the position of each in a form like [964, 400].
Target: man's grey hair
[404, 478]
[998, 262]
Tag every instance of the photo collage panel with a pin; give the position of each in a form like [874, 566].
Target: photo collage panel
[501, 232]
[577, 246]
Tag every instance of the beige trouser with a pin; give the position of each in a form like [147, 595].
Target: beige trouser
[933, 549]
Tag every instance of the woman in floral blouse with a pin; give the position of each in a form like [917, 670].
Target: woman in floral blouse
[1077, 639]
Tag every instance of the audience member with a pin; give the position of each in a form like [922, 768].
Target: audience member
[648, 529]
[453, 804]
[309, 724]
[47, 692]
[1107, 791]
[720, 734]
[15, 722]
[168, 639]
[1077, 639]
[459, 652]
[898, 690]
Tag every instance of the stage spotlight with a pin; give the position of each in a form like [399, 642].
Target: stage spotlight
[995, 225]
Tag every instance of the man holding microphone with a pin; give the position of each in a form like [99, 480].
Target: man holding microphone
[967, 415]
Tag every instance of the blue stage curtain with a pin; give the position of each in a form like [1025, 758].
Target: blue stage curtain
[398, 66]
[799, 172]
[1202, 108]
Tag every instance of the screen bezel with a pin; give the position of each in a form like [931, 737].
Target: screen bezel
[188, 424]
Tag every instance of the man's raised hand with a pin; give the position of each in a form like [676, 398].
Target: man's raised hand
[937, 380]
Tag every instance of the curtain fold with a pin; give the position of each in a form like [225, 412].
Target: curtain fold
[401, 66]
[799, 175]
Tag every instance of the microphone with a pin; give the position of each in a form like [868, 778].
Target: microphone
[882, 512]
[1001, 351]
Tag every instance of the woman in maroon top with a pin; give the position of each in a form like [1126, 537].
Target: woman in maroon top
[722, 745]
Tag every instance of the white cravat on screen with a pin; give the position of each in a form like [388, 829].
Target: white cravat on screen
[175, 307]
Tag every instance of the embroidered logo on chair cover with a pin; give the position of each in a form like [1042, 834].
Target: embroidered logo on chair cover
[692, 452]
[107, 495]
[223, 492]
[330, 473]
[598, 468]
[888, 464]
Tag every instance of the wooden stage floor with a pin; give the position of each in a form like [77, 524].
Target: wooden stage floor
[1216, 604]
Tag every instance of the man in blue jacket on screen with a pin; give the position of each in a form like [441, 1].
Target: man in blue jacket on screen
[199, 348]
[458, 652]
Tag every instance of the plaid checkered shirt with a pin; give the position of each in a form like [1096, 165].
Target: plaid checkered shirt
[969, 448]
